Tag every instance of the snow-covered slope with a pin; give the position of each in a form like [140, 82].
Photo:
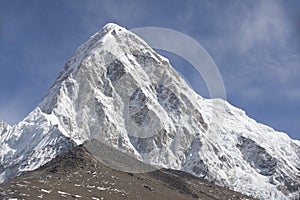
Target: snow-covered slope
[31, 143]
[116, 89]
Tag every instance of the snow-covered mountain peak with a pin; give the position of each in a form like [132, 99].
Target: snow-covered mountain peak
[111, 41]
[114, 65]
[112, 26]
[118, 90]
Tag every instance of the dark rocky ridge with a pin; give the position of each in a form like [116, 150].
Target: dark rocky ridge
[76, 174]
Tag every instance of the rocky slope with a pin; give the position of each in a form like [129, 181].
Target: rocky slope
[76, 174]
[117, 90]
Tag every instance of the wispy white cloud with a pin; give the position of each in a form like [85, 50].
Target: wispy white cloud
[254, 51]
[265, 23]
[293, 93]
[252, 93]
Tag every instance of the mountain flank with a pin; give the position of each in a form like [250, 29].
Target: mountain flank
[77, 174]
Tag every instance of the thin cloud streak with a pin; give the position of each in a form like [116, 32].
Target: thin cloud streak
[265, 23]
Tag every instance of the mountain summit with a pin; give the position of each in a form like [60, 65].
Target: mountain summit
[117, 90]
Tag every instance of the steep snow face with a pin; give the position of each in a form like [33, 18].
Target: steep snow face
[31, 143]
[117, 90]
[252, 158]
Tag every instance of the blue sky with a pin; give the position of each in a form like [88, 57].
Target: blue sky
[255, 44]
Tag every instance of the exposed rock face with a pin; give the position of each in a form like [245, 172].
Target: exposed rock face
[118, 90]
[3, 127]
[257, 157]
